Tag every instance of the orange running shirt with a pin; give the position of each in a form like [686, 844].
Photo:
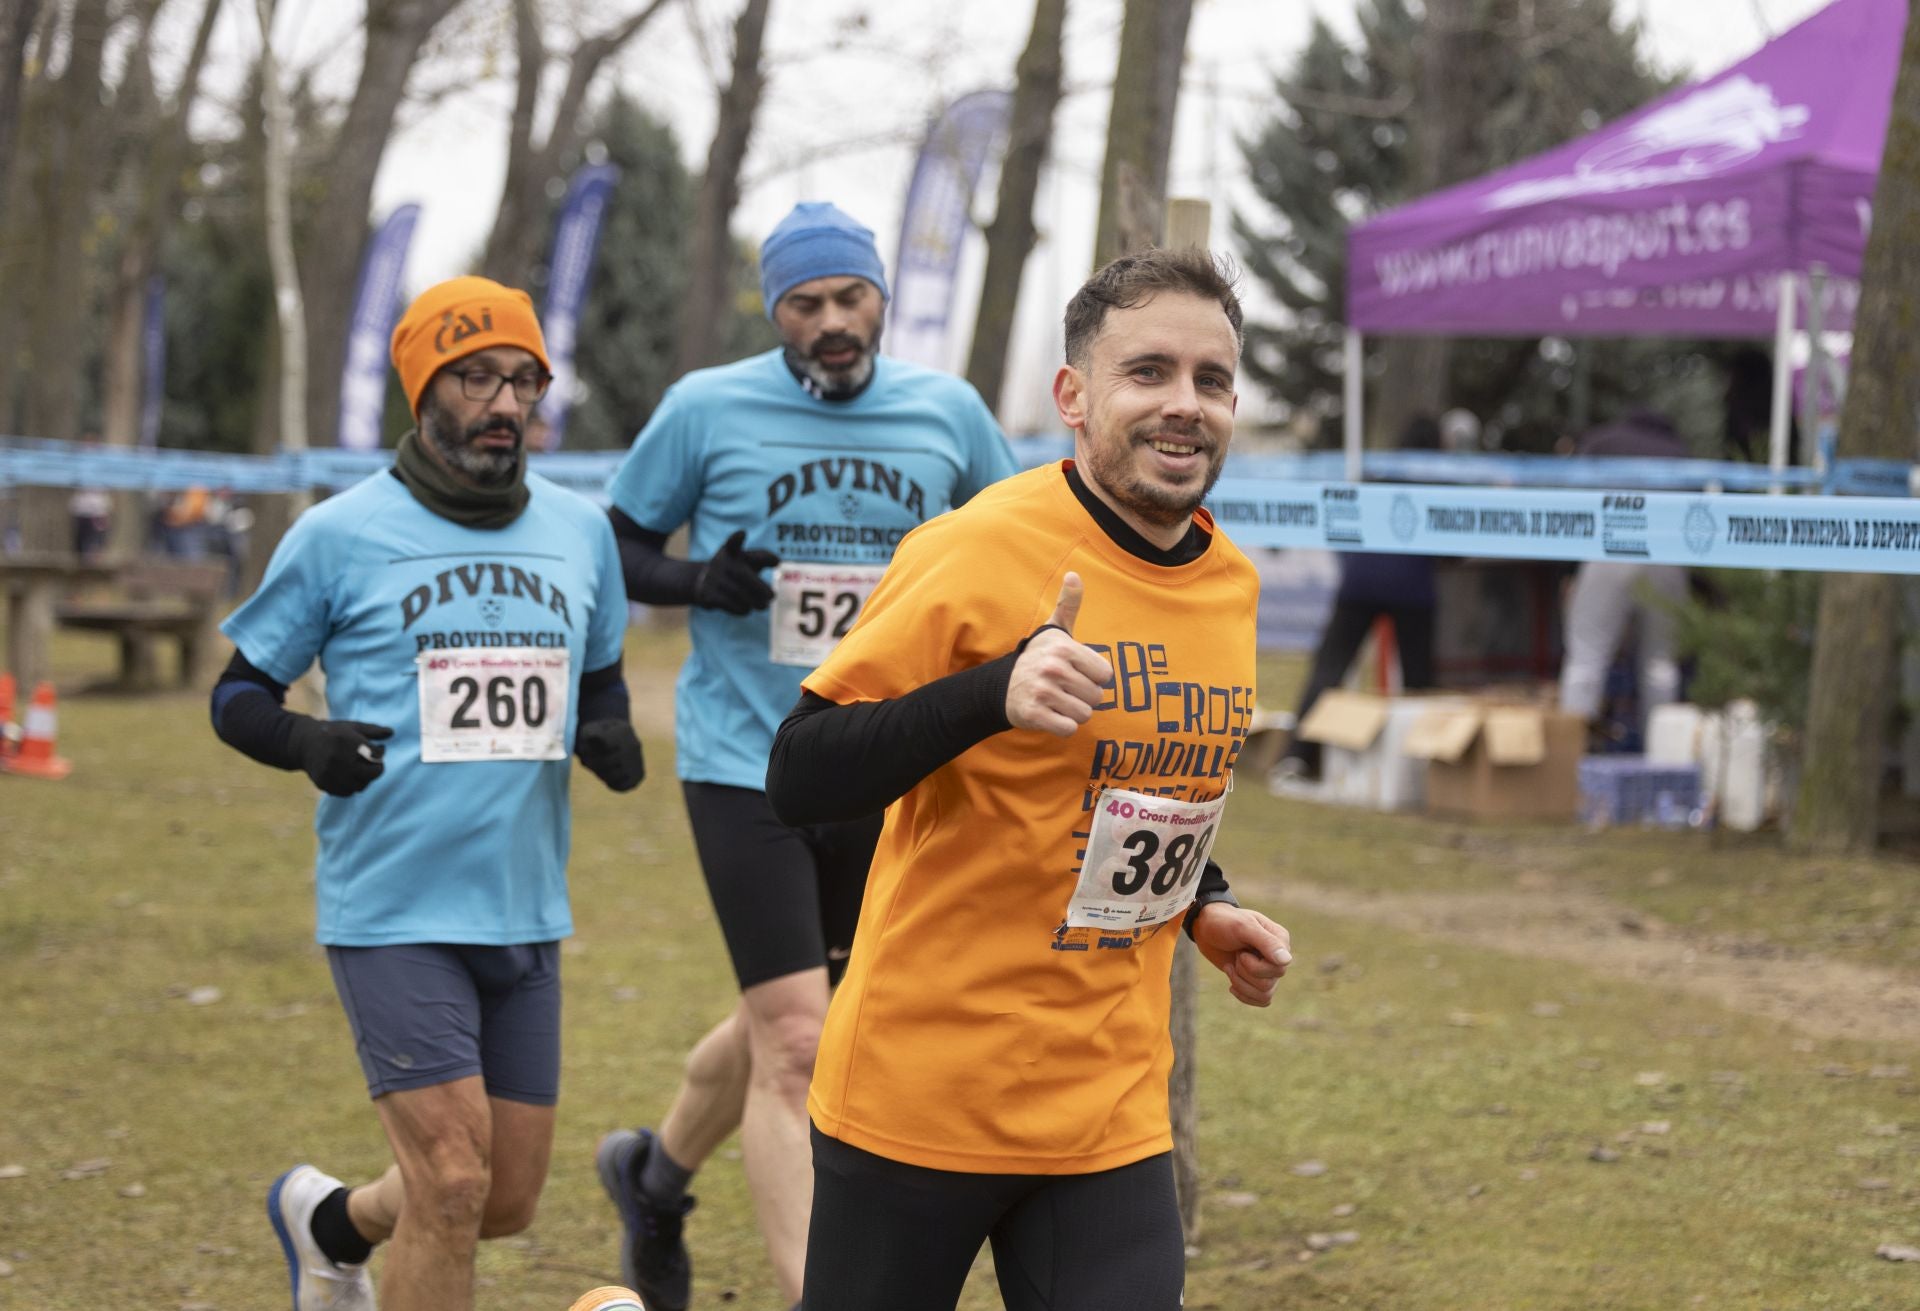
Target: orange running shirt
[974, 1031]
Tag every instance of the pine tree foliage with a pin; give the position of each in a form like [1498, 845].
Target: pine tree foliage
[626, 345]
[1343, 144]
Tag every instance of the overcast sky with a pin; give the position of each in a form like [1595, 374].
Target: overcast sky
[847, 72]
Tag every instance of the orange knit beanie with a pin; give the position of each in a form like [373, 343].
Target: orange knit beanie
[453, 319]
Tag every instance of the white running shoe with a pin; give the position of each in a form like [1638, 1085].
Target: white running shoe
[318, 1283]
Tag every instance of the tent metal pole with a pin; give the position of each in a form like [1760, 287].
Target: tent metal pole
[1782, 380]
[1355, 397]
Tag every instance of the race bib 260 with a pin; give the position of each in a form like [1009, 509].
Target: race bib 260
[507, 703]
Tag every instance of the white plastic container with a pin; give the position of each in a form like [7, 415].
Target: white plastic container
[1737, 766]
[1674, 734]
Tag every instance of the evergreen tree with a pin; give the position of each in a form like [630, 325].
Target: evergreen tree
[625, 351]
[1343, 144]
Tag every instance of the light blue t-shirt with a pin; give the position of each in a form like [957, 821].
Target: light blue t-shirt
[468, 850]
[813, 481]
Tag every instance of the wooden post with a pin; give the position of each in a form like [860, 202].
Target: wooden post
[1189, 223]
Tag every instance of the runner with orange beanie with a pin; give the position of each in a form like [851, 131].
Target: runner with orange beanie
[1046, 692]
[469, 616]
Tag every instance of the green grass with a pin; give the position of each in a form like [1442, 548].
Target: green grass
[1457, 1121]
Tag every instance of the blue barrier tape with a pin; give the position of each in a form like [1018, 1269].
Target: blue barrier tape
[25, 461]
[1646, 510]
[1843, 533]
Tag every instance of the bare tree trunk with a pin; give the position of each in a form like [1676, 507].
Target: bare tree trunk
[16, 25]
[69, 158]
[1010, 236]
[1850, 700]
[1188, 226]
[330, 253]
[287, 300]
[710, 244]
[158, 168]
[513, 244]
[1452, 90]
[1146, 91]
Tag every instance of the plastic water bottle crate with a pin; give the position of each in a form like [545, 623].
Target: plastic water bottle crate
[1628, 790]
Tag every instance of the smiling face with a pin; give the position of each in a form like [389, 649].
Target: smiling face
[831, 328]
[1151, 408]
[480, 441]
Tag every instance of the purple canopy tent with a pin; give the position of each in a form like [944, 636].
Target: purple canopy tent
[1694, 216]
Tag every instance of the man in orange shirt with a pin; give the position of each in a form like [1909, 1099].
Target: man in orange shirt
[1047, 693]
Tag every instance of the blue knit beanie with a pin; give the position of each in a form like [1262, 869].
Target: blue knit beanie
[817, 240]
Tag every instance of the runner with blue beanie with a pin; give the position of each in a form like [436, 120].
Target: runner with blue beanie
[795, 472]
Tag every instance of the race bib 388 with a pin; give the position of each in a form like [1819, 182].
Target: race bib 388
[1144, 858]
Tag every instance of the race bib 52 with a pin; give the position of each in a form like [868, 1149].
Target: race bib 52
[814, 605]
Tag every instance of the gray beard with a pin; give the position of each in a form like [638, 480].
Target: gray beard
[838, 384]
[482, 467]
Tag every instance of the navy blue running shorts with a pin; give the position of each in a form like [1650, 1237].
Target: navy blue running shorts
[430, 1013]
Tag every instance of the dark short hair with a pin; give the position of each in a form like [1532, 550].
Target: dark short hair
[1134, 279]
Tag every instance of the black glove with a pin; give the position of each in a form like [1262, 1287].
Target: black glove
[611, 750]
[339, 755]
[731, 581]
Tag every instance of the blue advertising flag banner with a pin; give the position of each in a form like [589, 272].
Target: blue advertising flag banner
[376, 303]
[935, 221]
[576, 238]
[153, 365]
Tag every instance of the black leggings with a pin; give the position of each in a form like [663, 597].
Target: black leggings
[787, 898]
[893, 1237]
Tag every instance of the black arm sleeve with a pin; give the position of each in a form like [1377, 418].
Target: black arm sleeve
[835, 762]
[603, 695]
[250, 716]
[652, 576]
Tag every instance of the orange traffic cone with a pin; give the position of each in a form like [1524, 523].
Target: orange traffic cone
[610, 1298]
[9, 731]
[36, 757]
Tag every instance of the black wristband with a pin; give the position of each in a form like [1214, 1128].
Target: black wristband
[1209, 897]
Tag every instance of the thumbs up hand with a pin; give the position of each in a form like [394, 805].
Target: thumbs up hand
[1057, 682]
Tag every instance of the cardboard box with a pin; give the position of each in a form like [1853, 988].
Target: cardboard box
[1267, 737]
[1498, 759]
[1363, 739]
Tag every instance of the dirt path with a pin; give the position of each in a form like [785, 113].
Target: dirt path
[1825, 998]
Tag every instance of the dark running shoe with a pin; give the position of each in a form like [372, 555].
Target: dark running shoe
[653, 1255]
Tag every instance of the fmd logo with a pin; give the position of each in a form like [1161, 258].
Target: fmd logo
[1403, 519]
[1699, 528]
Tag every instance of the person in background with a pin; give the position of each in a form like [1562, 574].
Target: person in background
[1373, 585]
[1608, 595]
[91, 509]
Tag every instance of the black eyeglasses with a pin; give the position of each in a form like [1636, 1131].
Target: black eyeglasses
[485, 384]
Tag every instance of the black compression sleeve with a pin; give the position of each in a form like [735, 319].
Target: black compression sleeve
[833, 762]
[248, 714]
[603, 695]
[652, 576]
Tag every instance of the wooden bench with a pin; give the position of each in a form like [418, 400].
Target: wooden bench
[180, 600]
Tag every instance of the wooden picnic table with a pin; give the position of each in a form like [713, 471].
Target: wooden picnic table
[34, 582]
[147, 601]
